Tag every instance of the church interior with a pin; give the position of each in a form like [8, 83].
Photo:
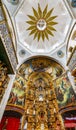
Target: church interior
[37, 65]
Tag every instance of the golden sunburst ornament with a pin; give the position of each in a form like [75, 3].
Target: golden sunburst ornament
[41, 23]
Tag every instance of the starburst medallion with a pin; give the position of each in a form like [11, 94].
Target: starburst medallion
[41, 24]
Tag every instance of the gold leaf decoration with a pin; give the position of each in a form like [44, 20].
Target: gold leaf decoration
[49, 32]
[51, 28]
[35, 13]
[31, 27]
[41, 24]
[32, 17]
[39, 11]
[46, 35]
[48, 14]
[32, 32]
[43, 36]
[51, 18]
[36, 33]
[31, 22]
[45, 11]
[52, 23]
[38, 36]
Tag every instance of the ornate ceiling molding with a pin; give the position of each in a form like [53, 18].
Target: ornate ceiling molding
[6, 35]
[41, 23]
[42, 26]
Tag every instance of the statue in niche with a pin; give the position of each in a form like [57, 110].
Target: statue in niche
[17, 94]
[64, 91]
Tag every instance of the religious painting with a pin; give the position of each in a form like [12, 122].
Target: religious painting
[64, 91]
[41, 64]
[57, 71]
[17, 94]
[25, 70]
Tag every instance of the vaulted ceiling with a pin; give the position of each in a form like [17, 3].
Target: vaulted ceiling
[43, 27]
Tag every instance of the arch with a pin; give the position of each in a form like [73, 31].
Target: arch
[41, 80]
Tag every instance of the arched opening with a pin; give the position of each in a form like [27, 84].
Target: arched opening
[41, 89]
